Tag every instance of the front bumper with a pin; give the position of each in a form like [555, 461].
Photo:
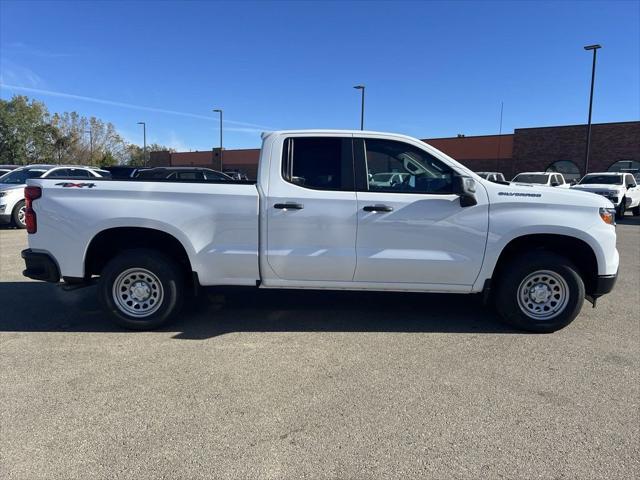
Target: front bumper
[5, 218]
[40, 266]
[603, 285]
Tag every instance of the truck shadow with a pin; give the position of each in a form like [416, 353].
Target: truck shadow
[41, 307]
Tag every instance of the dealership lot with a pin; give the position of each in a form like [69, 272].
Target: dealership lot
[316, 385]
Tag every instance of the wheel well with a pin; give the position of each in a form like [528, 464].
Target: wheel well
[108, 243]
[576, 250]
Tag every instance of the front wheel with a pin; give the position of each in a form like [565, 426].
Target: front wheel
[142, 289]
[540, 292]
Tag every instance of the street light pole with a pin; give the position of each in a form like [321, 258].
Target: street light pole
[144, 140]
[361, 88]
[219, 110]
[593, 77]
[90, 132]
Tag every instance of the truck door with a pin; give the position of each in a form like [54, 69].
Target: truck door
[311, 216]
[415, 232]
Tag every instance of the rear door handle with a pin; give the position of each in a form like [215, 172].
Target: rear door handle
[289, 206]
[378, 208]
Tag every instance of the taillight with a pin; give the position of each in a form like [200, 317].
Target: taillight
[31, 194]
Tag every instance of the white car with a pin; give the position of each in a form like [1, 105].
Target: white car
[12, 203]
[546, 179]
[315, 220]
[620, 188]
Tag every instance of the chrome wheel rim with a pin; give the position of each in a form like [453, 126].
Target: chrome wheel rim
[22, 213]
[138, 292]
[543, 295]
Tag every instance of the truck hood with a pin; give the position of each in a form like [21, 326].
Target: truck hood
[599, 187]
[543, 195]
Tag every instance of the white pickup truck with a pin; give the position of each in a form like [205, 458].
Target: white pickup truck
[315, 220]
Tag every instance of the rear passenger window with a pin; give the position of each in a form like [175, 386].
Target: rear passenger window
[321, 163]
[80, 173]
[59, 173]
[215, 176]
[190, 176]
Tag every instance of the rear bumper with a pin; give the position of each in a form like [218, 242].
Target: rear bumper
[40, 266]
[603, 285]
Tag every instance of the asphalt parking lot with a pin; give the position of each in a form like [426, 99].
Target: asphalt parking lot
[317, 385]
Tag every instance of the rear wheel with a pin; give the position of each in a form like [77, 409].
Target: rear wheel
[540, 292]
[143, 289]
[18, 215]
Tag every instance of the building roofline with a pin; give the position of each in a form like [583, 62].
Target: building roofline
[580, 125]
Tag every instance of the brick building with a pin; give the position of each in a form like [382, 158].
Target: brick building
[613, 146]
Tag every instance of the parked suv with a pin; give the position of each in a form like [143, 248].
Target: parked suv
[620, 188]
[6, 169]
[548, 179]
[12, 205]
[182, 173]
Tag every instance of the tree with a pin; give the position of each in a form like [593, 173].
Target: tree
[29, 134]
[26, 134]
[88, 141]
[136, 153]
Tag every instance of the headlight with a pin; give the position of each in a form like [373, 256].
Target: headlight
[608, 215]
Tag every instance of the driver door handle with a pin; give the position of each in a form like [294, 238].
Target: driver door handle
[289, 206]
[378, 208]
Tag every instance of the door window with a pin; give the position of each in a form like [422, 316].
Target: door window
[215, 176]
[59, 173]
[631, 182]
[397, 167]
[80, 173]
[320, 163]
[190, 175]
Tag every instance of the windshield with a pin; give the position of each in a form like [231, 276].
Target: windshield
[18, 177]
[602, 179]
[531, 178]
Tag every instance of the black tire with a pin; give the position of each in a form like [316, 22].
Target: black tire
[510, 288]
[621, 208]
[636, 211]
[15, 215]
[151, 272]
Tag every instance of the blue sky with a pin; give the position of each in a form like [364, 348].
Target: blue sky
[432, 69]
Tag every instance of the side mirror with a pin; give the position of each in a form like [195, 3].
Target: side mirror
[465, 187]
